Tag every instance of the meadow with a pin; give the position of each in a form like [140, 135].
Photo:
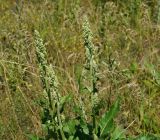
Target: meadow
[79, 69]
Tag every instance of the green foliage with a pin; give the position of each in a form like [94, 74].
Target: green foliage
[82, 68]
[106, 122]
[77, 128]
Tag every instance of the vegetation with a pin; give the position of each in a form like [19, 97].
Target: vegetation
[79, 70]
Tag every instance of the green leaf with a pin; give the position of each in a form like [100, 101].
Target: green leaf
[71, 138]
[133, 67]
[32, 137]
[69, 127]
[118, 133]
[105, 121]
[84, 126]
[109, 127]
[65, 99]
[95, 137]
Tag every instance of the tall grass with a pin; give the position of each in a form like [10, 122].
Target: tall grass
[75, 84]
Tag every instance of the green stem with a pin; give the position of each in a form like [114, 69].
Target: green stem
[59, 117]
[92, 71]
[60, 122]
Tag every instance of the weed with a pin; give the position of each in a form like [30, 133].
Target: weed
[78, 91]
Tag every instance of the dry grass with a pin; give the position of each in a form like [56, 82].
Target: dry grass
[129, 60]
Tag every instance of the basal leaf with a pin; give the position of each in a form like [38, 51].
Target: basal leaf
[108, 117]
